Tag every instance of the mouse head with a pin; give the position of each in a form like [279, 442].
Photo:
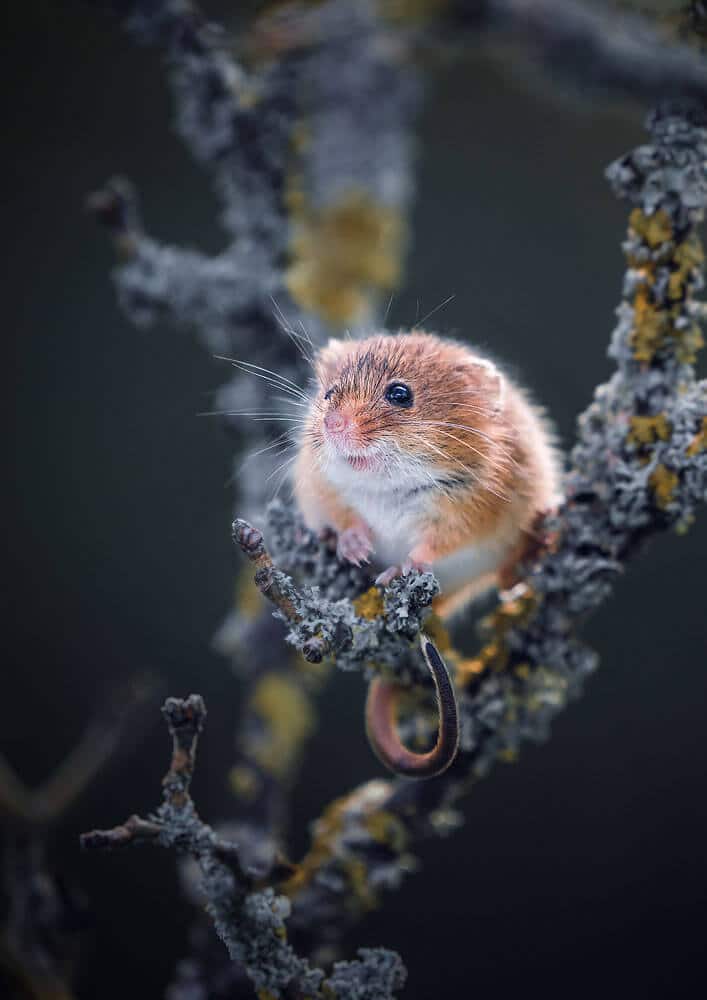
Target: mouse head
[399, 402]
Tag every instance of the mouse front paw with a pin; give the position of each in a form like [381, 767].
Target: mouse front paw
[355, 545]
[389, 574]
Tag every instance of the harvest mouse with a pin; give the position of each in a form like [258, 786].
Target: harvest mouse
[422, 454]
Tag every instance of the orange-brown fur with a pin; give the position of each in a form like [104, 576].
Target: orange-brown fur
[468, 422]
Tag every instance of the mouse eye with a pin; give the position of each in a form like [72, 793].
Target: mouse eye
[330, 392]
[399, 394]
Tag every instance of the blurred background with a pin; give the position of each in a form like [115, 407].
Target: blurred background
[582, 866]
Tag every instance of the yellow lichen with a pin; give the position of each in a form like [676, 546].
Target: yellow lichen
[386, 828]
[648, 430]
[690, 253]
[439, 633]
[342, 254]
[363, 805]
[687, 257]
[663, 482]
[495, 654]
[699, 441]
[691, 341]
[654, 326]
[288, 719]
[650, 327]
[653, 229]
[370, 604]
[468, 670]
[326, 830]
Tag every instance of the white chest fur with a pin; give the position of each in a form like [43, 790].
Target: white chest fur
[393, 509]
[396, 511]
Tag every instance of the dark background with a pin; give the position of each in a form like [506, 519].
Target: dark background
[581, 867]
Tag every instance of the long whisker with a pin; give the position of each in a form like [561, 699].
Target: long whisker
[281, 468]
[466, 468]
[270, 381]
[256, 415]
[474, 430]
[274, 378]
[276, 443]
[387, 311]
[464, 444]
[294, 336]
[448, 458]
[462, 427]
[436, 309]
[291, 402]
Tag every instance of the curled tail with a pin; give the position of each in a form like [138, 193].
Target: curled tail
[381, 722]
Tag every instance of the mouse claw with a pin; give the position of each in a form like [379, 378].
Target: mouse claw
[354, 546]
[384, 578]
[410, 564]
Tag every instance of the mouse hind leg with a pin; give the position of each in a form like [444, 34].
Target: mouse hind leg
[451, 603]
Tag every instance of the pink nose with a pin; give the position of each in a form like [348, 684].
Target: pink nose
[336, 422]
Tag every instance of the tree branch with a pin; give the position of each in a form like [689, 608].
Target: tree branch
[250, 923]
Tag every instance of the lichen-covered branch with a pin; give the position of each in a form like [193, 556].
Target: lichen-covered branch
[361, 633]
[595, 46]
[639, 467]
[250, 921]
[102, 739]
[306, 139]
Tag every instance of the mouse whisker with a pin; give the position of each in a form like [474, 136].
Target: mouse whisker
[293, 334]
[453, 437]
[279, 381]
[496, 445]
[283, 465]
[448, 458]
[258, 416]
[419, 322]
[275, 443]
[292, 402]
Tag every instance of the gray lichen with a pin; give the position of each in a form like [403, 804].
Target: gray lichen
[250, 921]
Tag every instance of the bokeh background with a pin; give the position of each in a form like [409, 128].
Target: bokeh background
[580, 868]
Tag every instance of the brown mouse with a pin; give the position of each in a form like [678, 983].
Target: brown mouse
[422, 454]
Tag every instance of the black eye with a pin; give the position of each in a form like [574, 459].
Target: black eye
[330, 392]
[399, 394]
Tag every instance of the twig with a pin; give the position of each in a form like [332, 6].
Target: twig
[267, 576]
[250, 923]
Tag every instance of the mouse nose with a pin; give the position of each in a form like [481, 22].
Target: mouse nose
[337, 422]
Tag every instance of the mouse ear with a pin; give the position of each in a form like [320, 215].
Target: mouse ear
[328, 361]
[493, 383]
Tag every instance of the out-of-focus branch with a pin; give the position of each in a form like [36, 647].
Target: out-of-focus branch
[39, 931]
[102, 739]
[42, 915]
[596, 46]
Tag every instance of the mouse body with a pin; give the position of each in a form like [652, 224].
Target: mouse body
[421, 453]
